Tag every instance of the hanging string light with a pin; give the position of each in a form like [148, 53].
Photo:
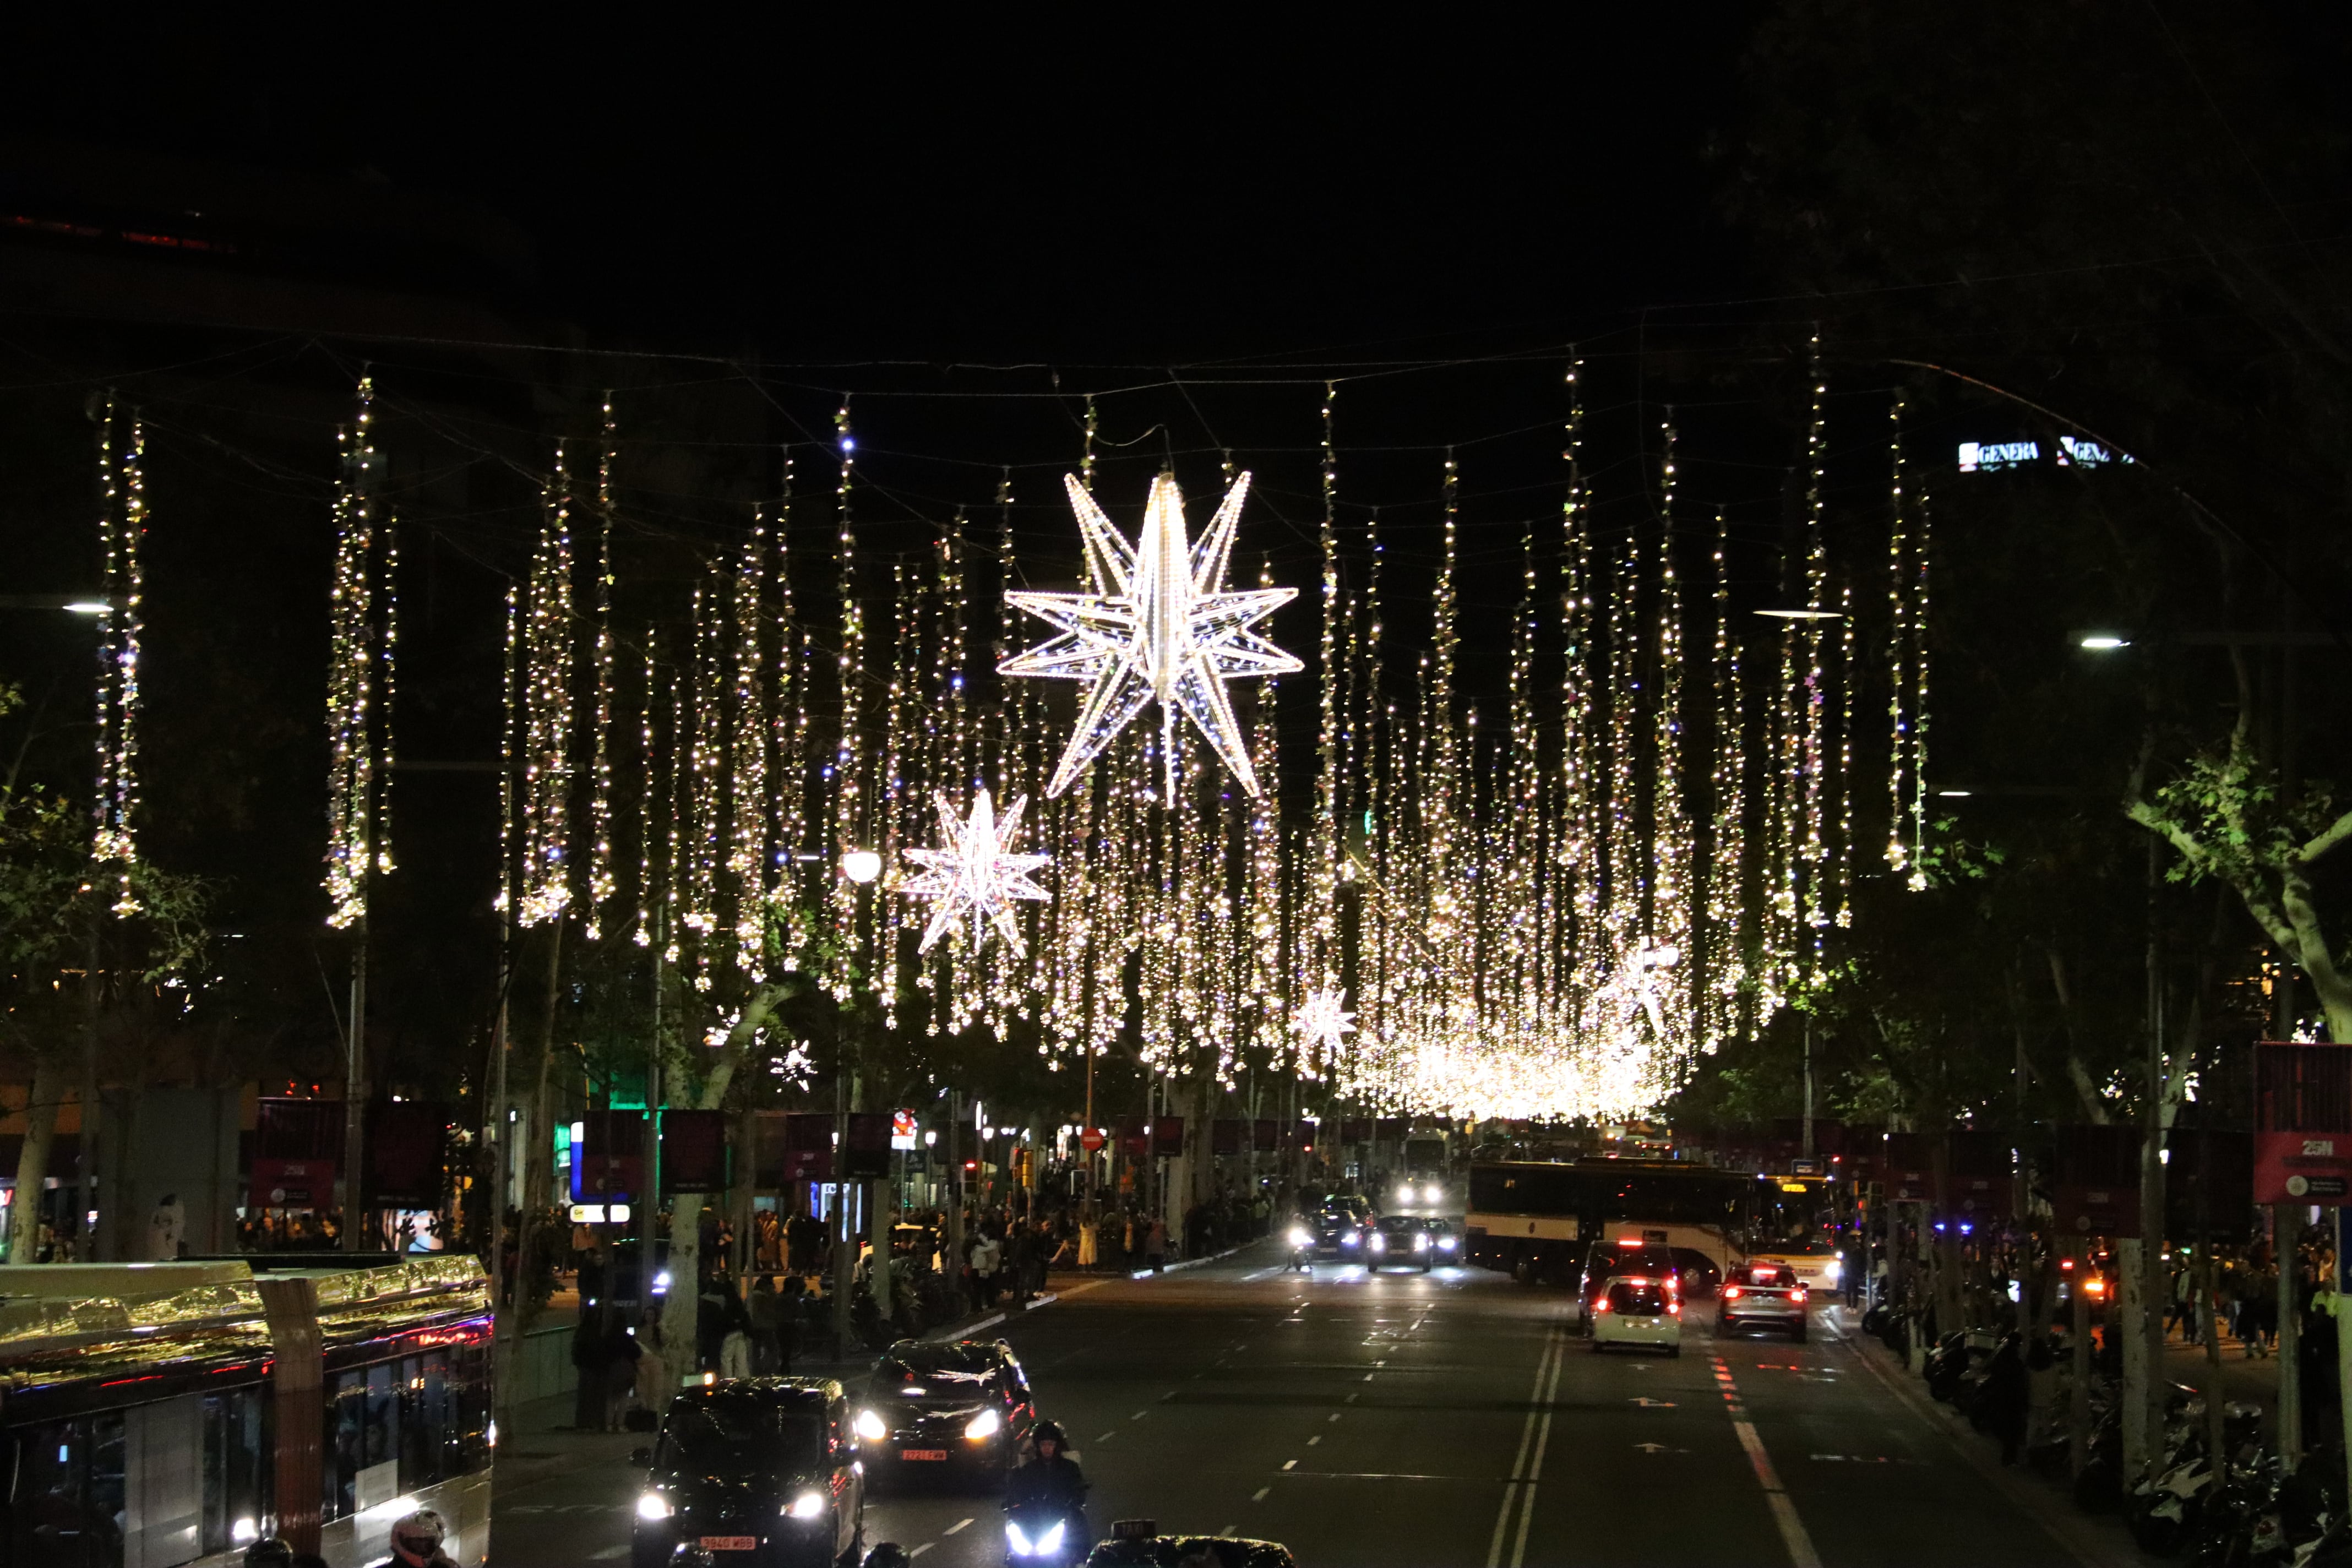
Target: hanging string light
[849, 821]
[602, 884]
[546, 785]
[351, 677]
[123, 528]
[1918, 879]
[1726, 948]
[1898, 643]
[748, 860]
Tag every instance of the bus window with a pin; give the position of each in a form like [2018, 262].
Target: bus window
[237, 1477]
[423, 1390]
[67, 1505]
[342, 1460]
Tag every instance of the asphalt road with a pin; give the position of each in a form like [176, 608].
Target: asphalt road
[1448, 1418]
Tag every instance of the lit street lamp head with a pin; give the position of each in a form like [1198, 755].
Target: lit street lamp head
[861, 865]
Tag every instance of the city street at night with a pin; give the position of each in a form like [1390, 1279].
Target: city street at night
[1410, 1419]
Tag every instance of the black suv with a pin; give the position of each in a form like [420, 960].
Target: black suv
[760, 1471]
[961, 1409]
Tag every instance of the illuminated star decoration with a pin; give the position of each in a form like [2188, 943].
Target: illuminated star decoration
[1324, 1020]
[973, 874]
[1159, 625]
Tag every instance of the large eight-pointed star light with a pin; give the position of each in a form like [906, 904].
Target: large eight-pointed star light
[973, 875]
[1159, 625]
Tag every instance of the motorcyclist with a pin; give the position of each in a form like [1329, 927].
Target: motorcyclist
[416, 1541]
[1053, 1476]
[270, 1552]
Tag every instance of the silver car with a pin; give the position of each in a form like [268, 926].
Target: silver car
[1766, 1295]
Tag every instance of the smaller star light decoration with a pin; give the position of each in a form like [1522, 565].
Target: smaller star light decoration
[1324, 1022]
[973, 875]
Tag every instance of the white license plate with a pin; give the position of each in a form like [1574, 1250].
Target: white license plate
[730, 1544]
[922, 1453]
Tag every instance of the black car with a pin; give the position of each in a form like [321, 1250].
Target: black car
[760, 1472]
[1336, 1233]
[959, 1409]
[1401, 1240]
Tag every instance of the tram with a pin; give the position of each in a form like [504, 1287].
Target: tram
[163, 1415]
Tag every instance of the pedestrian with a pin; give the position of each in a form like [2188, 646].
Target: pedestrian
[735, 1342]
[653, 1384]
[764, 1306]
[621, 1355]
[2006, 1395]
[1155, 1245]
[789, 1308]
[588, 1362]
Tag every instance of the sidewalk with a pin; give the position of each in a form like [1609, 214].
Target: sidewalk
[2095, 1542]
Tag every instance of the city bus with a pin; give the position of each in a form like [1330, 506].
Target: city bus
[1536, 1217]
[157, 1415]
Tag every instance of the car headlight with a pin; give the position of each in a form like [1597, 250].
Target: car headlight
[661, 1282]
[987, 1423]
[1403, 1196]
[1420, 1241]
[1432, 1192]
[1379, 1243]
[1299, 1237]
[1446, 1243]
[653, 1506]
[1350, 1240]
[870, 1426]
[808, 1505]
[1830, 1271]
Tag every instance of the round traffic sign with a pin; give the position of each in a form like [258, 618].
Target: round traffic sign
[1092, 1140]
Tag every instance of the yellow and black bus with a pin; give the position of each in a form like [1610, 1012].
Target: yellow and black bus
[154, 1415]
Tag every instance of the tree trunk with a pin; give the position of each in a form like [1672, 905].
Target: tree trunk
[33, 1161]
[686, 1209]
[536, 1145]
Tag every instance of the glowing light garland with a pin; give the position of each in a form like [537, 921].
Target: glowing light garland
[114, 838]
[1160, 627]
[351, 677]
[545, 788]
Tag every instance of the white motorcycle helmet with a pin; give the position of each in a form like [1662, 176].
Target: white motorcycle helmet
[421, 1532]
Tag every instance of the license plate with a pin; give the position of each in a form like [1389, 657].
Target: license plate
[730, 1544]
[922, 1453]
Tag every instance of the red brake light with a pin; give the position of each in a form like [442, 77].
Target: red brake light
[1601, 1306]
[1674, 1309]
[1730, 1292]
[1629, 1241]
[1798, 1294]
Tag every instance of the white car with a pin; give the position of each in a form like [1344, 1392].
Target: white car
[1763, 1294]
[1638, 1309]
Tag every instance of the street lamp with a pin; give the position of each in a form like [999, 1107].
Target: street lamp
[861, 865]
[2102, 642]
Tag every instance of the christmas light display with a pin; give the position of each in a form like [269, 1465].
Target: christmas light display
[1324, 1022]
[544, 788]
[352, 676]
[975, 876]
[1160, 627]
[122, 527]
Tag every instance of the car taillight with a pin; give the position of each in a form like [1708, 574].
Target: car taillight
[1798, 1294]
[1674, 1309]
[1731, 1292]
[1601, 1306]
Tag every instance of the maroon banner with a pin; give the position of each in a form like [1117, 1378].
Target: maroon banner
[1865, 1153]
[1225, 1135]
[1168, 1136]
[868, 1140]
[1393, 1129]
[297, 1130]
[1305, 1135]
[608, 1163]
[694, 1150]
[1265, 1137]
[292, 1183]
[1910, 1172]
[1356, 1129]
[2097, 1187]
[2208, 1183]
[1981, 1186]
[802, 1143]
[1133, 1141]
[2303, 1122]
[403, 1153]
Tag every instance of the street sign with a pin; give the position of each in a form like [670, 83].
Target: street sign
[1092, 1138]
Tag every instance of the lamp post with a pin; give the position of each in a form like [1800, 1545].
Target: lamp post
[863, 867]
